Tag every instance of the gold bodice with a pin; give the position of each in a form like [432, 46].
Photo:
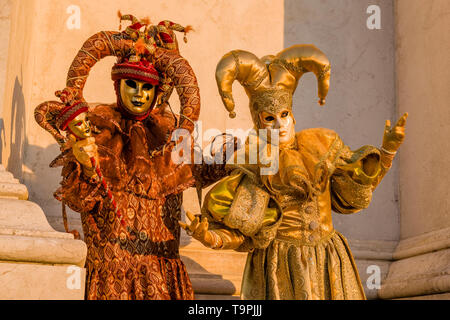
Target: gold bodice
[305, 222]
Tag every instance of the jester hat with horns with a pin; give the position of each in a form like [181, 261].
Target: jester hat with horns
[151, 55]
[270, 82]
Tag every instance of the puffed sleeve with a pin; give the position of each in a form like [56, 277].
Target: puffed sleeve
[356, 175]
[241, 225]
[80, 192]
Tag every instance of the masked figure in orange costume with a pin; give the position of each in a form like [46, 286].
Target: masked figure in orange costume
[283, 218]
[130, 217]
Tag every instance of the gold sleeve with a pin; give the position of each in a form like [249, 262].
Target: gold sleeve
[217, 206]
[356, 176]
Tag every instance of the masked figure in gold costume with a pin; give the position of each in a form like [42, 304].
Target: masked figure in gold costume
[130, 215]
[284, 219]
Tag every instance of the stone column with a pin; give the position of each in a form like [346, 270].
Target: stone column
[36, 262]
[422, 258]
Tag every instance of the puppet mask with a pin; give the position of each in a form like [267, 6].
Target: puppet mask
[80, 126]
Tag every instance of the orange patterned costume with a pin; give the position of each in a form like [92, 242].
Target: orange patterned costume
[137, 259]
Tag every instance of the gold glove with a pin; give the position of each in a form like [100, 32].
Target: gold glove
[393, 137]
[83, 151]
[199, 230]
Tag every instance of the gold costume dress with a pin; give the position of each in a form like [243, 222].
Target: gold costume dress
[284, 220]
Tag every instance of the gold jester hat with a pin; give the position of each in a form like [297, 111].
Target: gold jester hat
[270, 82]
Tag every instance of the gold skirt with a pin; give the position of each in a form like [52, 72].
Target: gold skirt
[288, 271]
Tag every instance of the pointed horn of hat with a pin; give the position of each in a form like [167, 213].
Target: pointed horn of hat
[177, 27]
[297, 60]
[242, 66]
[45, 115]
[128, 17]
[98, 46]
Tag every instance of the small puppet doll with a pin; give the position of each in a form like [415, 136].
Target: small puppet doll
[72, 120]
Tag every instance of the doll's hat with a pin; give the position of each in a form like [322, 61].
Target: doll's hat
[69, 113]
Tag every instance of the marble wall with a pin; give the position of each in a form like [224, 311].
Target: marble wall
[361, 95]
[423, 89]
[5, 19]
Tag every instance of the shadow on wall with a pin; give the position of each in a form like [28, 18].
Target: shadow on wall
[36, 166]
[2, 137]
[29, 163]
[17, 138]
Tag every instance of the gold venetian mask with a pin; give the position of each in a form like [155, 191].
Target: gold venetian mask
[80, 126]
[283, 121]
[137, 96]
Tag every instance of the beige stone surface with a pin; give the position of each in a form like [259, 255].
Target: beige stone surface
[5, 13]
[25, 235]
[13, 190]
[26, 218]
[42, 250]
[426, 274]
[422, 244]
[443, 296]
[21, 281]
[365, 270]
[423, 61]
[421, 269]
[34, 258]
[361, 95]
[7, 177]
[372, 249]
[217, 272]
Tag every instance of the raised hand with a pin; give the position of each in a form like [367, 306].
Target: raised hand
[393, 137]
[199, 230]
[84, 150]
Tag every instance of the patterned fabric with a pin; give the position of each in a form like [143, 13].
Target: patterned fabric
[45, 115]
[325, 271]
[141, 262]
